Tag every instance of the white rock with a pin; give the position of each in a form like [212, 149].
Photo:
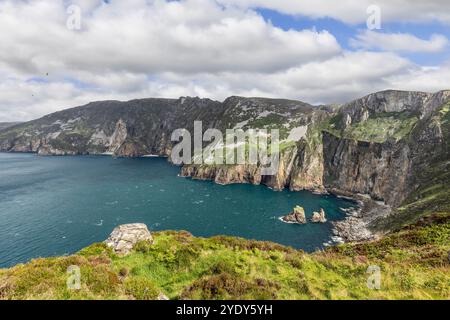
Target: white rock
[124, 237]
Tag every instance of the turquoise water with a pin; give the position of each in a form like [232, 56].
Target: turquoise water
[58, 205]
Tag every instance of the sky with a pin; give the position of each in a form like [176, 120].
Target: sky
[59, 54]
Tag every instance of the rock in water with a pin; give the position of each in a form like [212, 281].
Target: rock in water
[319, 217]
[298, 216]
[124, 237]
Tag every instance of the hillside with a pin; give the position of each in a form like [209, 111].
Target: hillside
[6, 125]
[413, 265]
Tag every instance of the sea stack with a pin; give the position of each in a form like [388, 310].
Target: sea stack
[319, 217]
[298, 216]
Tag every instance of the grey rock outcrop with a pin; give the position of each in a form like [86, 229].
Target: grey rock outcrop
[124, 237]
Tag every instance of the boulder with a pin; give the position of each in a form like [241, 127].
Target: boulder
[297, 216]
[319, 217]
[124, 237]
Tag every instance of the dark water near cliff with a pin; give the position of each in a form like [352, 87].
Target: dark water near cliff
[53, 206]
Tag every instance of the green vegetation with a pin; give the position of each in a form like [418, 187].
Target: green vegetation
[378, 128]
[431, 197]
[414, 265]
[444, 111]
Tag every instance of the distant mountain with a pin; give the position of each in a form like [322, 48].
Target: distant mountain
[141, 127]
[5, 125]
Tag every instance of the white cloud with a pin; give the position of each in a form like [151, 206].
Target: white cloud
[338, 79]
[428, 79]
[135, 36]
[355, 11]
[155, 48]
[399, 42]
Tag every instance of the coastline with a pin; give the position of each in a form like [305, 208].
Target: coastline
[355, 227]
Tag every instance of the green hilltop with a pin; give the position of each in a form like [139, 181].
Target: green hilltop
[413, 262]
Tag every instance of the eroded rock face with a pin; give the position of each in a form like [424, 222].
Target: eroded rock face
[300, 168]
[119, 136]
[47, 150]
[124, 237]
[223, 174]
[377, 169]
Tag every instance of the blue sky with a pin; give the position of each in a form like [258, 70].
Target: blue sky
[343, 32]
[60, 54]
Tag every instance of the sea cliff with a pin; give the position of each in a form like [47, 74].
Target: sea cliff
[378, 146]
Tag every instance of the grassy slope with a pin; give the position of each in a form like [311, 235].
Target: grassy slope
[414, 265]
[378, 128]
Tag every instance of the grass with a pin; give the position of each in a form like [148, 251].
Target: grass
[414, 265]
[378, 128]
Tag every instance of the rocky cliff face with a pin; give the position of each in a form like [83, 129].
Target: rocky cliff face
[378, 169]
[377, 145]
[301, 152]
[128, 129]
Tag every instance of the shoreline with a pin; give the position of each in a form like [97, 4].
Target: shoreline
[356, 226]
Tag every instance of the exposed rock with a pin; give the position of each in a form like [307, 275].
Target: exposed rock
[347, 121]
[223, 174]
[124, 237]
[356, 226]
[47, 150]
[297, 216]
[378, 169]
[353, 229]
[319, 217]
[119, 136]
[163, 297]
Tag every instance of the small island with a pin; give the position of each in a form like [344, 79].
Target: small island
[298, 216]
